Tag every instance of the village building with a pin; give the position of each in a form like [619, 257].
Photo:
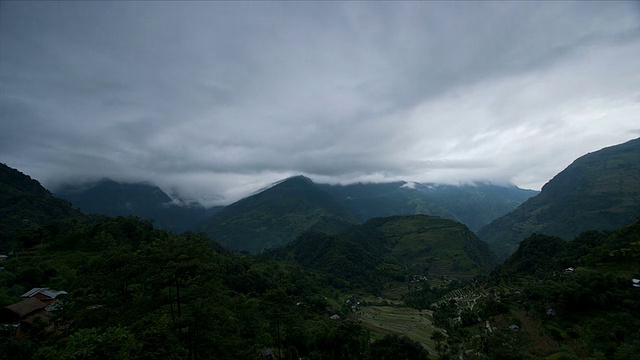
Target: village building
[19, 312]
[36, 305]
[44, 294]
[267, 354]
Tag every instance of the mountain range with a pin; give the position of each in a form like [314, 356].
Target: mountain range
[475, 204]
[130, 282]
[278, 214]
[599, 191]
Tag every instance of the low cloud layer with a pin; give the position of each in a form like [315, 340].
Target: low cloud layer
[214, 100]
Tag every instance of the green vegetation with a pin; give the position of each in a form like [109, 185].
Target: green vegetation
[534, 306]
[388, 252]
[276, 216]
[414, 324]
[136, 292]
[599, 191]
[474, 205]
[25, 206]
[107, 197]
[434, 245]
[402, 287]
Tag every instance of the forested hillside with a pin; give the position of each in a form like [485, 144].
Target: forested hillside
[151, 292]
[276, 216]
[402, 287]
[26, 206]
[474, 205]
[598, 191]
[131, 291]
[108, 197]
[575, 299]
[386, 252]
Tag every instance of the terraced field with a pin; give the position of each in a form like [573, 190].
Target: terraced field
[383, 320]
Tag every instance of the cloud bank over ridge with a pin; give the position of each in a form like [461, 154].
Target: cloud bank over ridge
[212, 101]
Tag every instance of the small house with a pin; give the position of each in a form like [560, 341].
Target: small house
[514, 327]
[44, 294]
[3, 257]
[21, 311]
[334, 317]
[636, 283]
[568, 271]
[267, 354]
[551, 312]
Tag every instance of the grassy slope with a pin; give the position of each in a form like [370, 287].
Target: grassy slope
[415, 324]
[444, 246]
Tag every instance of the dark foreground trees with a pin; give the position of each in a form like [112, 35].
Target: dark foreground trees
[136, 292]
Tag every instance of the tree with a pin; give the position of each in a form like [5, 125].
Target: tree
[113, 343]
[394, 347]
[438, 337]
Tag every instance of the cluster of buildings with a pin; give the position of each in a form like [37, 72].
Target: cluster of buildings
[37, 303]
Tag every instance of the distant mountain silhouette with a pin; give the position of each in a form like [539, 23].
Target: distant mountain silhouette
[598, 191]
[108, 197]
[474, 205]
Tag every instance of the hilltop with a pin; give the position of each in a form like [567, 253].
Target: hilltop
[391, 250]
[276, 216]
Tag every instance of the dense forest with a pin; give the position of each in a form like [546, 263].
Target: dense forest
[143, 293]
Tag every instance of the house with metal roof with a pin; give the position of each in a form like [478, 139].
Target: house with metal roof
[45, 294]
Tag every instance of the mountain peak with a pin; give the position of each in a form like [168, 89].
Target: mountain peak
[276, 215]
[297, 179]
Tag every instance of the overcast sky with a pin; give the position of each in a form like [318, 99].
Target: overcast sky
[214, 100]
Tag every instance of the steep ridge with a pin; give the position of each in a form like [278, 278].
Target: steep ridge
[276, 216]
[598, 191]
[147, 201]
[368, 201]
[25, 205]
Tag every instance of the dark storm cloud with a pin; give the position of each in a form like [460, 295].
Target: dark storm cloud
[214, 100]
